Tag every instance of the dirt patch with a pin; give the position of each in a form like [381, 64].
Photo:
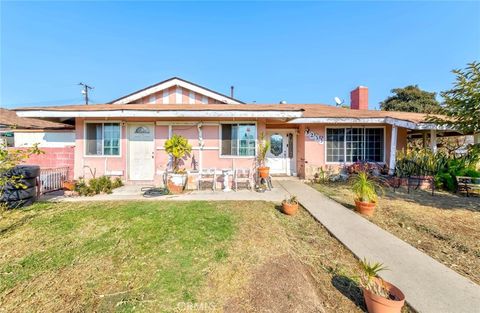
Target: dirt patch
[280, 285]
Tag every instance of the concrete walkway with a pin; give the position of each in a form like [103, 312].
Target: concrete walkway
[428, 285]
[134, 192]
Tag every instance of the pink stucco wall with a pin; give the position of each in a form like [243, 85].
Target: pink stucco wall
[310, 154]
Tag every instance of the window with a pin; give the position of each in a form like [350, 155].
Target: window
[355, 144]
[238, 139]
[102, 138]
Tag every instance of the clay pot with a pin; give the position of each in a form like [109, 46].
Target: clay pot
[378, 304]
[68, 185]
[289, 208]
[176, 183]
[264, 172]
[365, 208]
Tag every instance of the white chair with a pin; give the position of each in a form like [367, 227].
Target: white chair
[242, 175]
[207, 175]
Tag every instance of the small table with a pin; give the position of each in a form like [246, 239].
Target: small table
[226, 180]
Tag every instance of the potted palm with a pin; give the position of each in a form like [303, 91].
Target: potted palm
[365, 194]
[290, 205]
[380, 296]
[179, 150]
[263, 147]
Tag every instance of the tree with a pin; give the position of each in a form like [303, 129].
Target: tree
[461, 109]
[411, 99]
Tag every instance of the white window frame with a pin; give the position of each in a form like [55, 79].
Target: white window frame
[221, 156]
[85, 155]
[345, 143]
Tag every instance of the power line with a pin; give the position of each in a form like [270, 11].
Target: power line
[85, 90]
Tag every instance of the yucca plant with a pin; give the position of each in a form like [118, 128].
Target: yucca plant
[365, 189]
[263, 147]
[367, 278]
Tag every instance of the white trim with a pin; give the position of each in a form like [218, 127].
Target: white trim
[236, 156]
[393, 149]
[191, 97]
[178, 113]
[176, 82]
[85, 155]
[433, 140]
[178, 95]
[345, 146]
[204, 100]
[165, 96]
[164, 123]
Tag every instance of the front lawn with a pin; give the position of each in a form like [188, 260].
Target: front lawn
[445, 226]
[171, 256]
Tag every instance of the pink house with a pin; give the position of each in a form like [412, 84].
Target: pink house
[126, 136]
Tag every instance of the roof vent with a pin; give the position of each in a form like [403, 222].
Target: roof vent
[283, 102]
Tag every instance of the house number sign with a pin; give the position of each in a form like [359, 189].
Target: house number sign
[314, 136]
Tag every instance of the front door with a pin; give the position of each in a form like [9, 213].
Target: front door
[281, 156]
[141, 151]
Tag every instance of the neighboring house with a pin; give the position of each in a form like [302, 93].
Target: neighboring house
[126, 136]
[56, 140]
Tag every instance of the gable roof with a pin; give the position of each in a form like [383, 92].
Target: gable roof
[10, 119]
[175, 81]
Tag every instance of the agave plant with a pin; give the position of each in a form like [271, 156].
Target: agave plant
[365, 189]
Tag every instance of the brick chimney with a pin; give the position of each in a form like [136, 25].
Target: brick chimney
[359, 98]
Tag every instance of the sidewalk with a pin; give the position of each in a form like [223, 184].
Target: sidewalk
[428, 285]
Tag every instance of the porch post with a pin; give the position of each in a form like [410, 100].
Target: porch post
[393, 149]
[433, 140]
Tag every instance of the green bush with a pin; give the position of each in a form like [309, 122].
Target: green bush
[95, 186]
[445, 167]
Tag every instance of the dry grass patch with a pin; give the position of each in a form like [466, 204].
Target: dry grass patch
[445, 226]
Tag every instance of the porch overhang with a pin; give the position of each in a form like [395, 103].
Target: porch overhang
[163, 114]
[367, 120]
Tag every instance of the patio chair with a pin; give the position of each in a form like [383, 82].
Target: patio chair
[207, 175]
[242, 175]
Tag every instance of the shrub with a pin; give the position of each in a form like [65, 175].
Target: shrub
[96, 186]
[364, 188]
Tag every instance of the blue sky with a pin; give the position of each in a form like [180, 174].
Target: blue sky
[307, 52]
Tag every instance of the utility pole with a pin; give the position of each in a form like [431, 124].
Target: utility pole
[85, 91]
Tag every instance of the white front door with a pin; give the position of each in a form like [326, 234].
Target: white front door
[141, 151]
[281, 156]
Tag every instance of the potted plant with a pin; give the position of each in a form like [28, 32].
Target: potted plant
[69, 185]
[179, 150]
[365, 194]
[380, 296]
[290, 205]
[263, 147]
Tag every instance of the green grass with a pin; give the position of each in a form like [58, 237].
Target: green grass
[159, 250]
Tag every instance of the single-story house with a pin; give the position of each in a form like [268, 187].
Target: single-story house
[126, 136]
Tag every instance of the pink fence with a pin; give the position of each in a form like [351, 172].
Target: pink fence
[54, 158]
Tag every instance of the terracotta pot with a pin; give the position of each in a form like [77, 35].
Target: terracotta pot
[365, 208]
[289, 208]
[378, 304]
[176, 183]
[68, 185]
[264, 172]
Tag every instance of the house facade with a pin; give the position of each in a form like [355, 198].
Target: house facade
[126, 136]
